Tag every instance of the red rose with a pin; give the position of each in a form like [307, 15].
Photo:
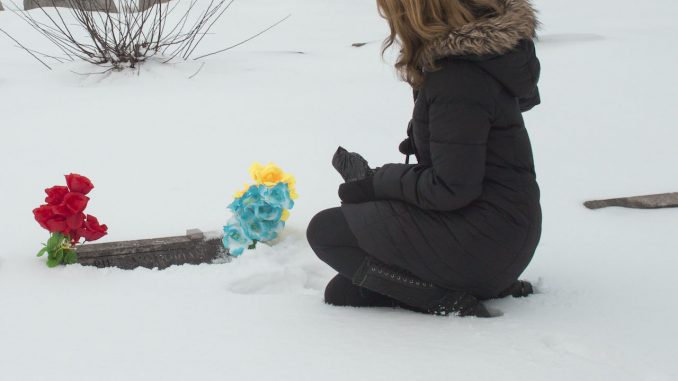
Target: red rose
[57, 225]
[43, 214]
[79, 184]
[55, 194]
[92, 230]
[72, 204]
[50, 221]
[74, 236]
[63, 211]
[75, 221]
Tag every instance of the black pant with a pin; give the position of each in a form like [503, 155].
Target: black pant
[333, 242]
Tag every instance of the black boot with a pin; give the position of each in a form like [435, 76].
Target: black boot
[340, 291]
[518, 289]
[413, 291]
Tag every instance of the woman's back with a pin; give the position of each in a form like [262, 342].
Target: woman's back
[503, 86]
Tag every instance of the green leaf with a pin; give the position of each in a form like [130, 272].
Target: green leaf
[52, 263]
[59, 255]
[54, 241]
[42, 251]
[70, 257]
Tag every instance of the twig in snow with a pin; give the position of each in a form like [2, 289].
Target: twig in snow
[196, 73]
[88, 74]
[244, 41]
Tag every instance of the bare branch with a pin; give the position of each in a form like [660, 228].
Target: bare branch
[24, 48]
[244, 41]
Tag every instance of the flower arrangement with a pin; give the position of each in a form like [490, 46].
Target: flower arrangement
[63, 216]
[261, 209]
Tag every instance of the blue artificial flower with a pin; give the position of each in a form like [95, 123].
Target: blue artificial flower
[252, 196]
[235, 239]
[278, 194]
[273, 228]
[268, 212]
[253, 229]
[247, 214]
[236, 204]
[264, 231]
[257, 216]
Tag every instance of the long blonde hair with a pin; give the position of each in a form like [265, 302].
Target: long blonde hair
[416, 23]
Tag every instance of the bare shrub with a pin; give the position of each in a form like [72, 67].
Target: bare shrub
[126, 35]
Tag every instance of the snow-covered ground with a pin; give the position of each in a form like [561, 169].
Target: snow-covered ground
[167, 152]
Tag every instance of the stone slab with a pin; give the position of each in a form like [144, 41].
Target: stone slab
[653, 201]
[160, 253]
[146, 4]
[88, 5]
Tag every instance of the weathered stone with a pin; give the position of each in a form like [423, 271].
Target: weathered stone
[146, 4]
[653, 201]
[195, 234]
[87, 5]
[192, 248]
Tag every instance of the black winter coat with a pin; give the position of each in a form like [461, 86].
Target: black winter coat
[467, 216]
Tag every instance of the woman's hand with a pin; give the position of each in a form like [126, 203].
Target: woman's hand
[350, 165]
[358, 191]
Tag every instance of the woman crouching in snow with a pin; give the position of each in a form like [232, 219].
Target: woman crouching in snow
[462, 224]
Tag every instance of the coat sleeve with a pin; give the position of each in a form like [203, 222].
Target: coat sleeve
[459, 130]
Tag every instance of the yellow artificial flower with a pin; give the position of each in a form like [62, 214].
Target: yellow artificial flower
[291, 182]
[254, 171]
[285, 215]
[270, 175]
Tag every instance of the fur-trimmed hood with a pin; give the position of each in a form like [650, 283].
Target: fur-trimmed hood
[502, 46]
[491, 36]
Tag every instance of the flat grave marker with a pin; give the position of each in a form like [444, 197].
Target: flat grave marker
[193, 248]
[652, 201]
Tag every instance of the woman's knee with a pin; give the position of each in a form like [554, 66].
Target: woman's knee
[317, 228]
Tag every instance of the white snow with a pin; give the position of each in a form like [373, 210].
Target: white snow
[166, 153]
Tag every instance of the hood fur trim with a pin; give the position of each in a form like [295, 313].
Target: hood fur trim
[496, 35]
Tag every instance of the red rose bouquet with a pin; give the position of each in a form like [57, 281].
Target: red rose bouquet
[63, 216]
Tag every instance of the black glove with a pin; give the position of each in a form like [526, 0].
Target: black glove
[407, 145]
[358, 191]
[350, 165]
